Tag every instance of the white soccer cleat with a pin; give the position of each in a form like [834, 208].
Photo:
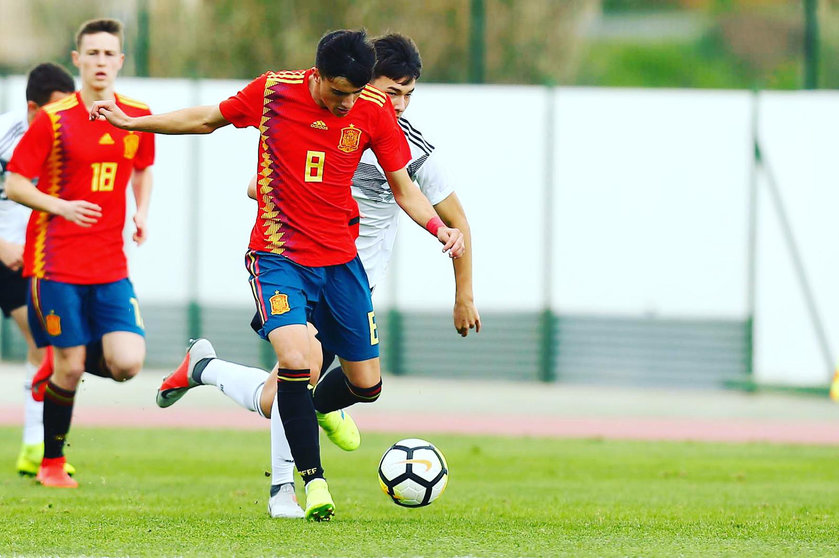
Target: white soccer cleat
[284, 504]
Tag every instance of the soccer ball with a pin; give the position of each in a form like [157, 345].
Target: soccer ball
[413, 473]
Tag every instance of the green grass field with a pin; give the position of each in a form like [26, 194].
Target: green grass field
[203, 493]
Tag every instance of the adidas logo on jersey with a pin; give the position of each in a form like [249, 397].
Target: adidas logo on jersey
[319, 125]
[106, 139]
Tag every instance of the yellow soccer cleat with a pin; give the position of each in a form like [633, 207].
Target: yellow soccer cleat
[319, 504]
[341, 429]
[29, 460]
[834, 386]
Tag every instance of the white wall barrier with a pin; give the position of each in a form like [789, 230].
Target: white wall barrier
[648, 215]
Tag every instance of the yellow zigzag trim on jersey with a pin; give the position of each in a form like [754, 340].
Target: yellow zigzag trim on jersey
[269, 209]
[132, 102]
[55, 163]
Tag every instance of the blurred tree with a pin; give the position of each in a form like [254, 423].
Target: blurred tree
[669, 43]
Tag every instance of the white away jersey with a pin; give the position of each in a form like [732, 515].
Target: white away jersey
[13, 216]
[378, 208]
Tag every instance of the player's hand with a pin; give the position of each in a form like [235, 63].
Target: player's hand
[11, 255]
[108, 110]
[81, 212]
[452, 241]
[466, 317]
[141, 232]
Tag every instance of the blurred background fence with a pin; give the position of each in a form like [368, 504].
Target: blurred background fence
[620, 235]
[653, 236]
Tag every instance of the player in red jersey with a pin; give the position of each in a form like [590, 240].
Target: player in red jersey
[46, 83]
[314, 125]
[80, 299]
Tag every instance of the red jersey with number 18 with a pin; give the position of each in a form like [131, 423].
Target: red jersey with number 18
[74, 158]
[306, 160]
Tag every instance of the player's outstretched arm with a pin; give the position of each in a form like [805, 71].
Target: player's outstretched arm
[192, 120]
[418, 208]
[465, 313]
[23, 191]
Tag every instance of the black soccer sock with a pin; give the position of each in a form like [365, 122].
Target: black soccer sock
[198, 369]
[58, 411]
[94, 360]
[335, 391]
[301, 427]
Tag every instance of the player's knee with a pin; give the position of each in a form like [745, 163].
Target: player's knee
[293, 360]
[69, 376]
[123, 369]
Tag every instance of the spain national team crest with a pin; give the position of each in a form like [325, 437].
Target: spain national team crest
[350, 139]
[279, 303]
[53, 324]
[131, 142]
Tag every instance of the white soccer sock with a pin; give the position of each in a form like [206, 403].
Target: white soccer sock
[282, 463]
[242, 384]
[33, 411]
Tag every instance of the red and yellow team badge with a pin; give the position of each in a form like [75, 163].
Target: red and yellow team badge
[350, 139]
[53, 324]
[130, 142]
[279, 303]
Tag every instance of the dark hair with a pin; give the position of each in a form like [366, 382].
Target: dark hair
[347, 54]
[44, 79]
[112, 26]
[397, 57]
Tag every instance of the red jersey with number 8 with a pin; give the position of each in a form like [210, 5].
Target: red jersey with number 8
[74, 158]
[306, 160]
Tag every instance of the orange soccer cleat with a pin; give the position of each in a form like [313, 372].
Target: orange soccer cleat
[42, 376]
[52, 474]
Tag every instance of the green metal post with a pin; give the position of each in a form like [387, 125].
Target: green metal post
[194, 319]
[811, 44]
[548, 321]
[194, 238]
[141, 57]
[4, 339]
[548, 349]
[395, 342]
[477, 41]
[751, 265]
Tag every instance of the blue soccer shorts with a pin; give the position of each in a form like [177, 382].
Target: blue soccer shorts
[68, 315]
[335, 298]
